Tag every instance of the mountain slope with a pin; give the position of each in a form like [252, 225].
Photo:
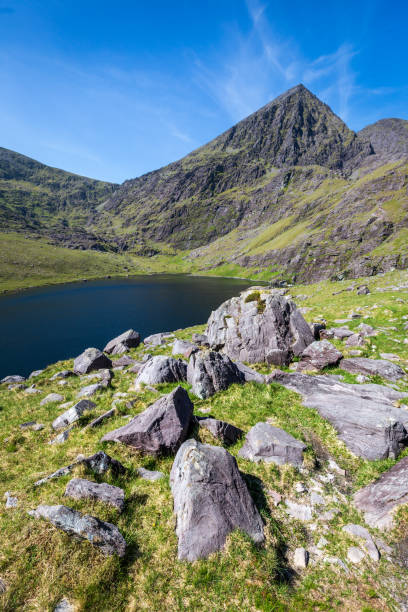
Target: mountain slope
[42, 200]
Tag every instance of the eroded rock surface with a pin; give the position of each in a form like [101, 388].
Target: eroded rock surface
[227, 433]
[73, 414]
[162, 369]
[80, 488]
[372, 367]
[209, 372]
[91, 359]
[211, 499]
[319, 355]
[273, 445]
[129, 339]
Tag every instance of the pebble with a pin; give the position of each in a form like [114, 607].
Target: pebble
[11, 502]
[355, 555]
[301, 558]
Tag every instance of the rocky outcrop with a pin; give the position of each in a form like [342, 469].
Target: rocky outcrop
[373, 367]
[363, 415]
[209, 372]
[105, 536]
[99, 463]
[211, 499]
[158, 339]
[379, 501]
[273, 445]
[91, 359]
[80, 488]
[161, 428]
[227, 433]
[319, 355]
[129, 339]
[162, 369]
[259, 327]
[73, 414]
[183, 347]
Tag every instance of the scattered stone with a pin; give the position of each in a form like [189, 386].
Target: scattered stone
[32, 390]
[373, 367]
[89, 390]
[123, 361]
[301, 558]
[319, 355]
[328, 515]
[259, 327]
[51, 398]
[302, 512]
[211, 499]
[162, 369]
[390, 356]
[129, 339]
[35, 373]
[62, 374]
[355, 555]
[32, 425]
[361, 379]
[183, 347]
[250, 375]
[367, 330]
[355, 340]
[276, 497]
[363, 415]
[99, 463]
[79, 488]
[11, 502]
[334, 466]
[378, 500]
[104, 535]
[336, 332]
[62, 437]
[361, 532]
[15, 378]
[322, 543]
[200, 339]
[316, 499]
[209, 372]
[91, 359]
[64, 606]
[161, 428]
[363, 290]
[100, 419]
[149, 474]
[227, 433]
[316, 328]
[273, 445]
[73, 414]
[157, 339]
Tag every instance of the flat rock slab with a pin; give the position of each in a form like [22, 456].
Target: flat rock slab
[319, 355]
[250, 375]
[273, 445]
[51, 398]
[357, 531]
[257, 327]
[13, 378]
[363, 415]
[183, 347]
[80, 488]
[209, 372]
[149, 474]
[227, 433]
[73, 414]
[99, 463]
[158, 339]
[129, 339]
[105, 536]
[372, 367]
[211, 499]
[301, 512]
[91, 359]
[90, 390]
[378, 501]
[100, 419]
[161, 428]
[162, 369]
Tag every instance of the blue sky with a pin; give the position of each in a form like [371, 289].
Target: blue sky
[115, 89]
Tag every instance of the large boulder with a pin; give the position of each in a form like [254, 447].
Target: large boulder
[91, 359]
[80, 488]
[73, 414]
[273, 445]
[183, 347]
[363, 415]
[209, 372]
[259, 327]
[211, 499]
[129, 339]
[319, 355]
[162, 369]
[372, 367]
[13, 378]
[379, 501]
[105, 536]
[161, 428]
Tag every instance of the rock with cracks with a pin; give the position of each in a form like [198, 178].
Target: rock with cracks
[80, 488]
[272, 445]
[161, 428]
[373, 367]
[209, 372]
[319, 355]
[105, 536]
[363, 415]
[227, 433]
[129, 339]
[162, 369]
[259, 327]
[211, 499]
[73, 414]
[91, 359]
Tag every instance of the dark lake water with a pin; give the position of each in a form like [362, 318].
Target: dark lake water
[41, 326]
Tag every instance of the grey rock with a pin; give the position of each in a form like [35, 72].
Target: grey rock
[129, 339]
[99, 463]
[32, 425]
[319, 355]
[183, 347]
[51, 398]
[89, 390]
[149, 474]
[105, 536]
[316, 499]
[91, 359]
[273, 445]
[390, 356]
[336, 332]
[250, 375]
[355, 340]
[125, 360]
[161, 428]
[14, 378]
[363, 290]
[379, 500]
[61, 438]
[372, 367]
[100, 419]
[62, 374]
[64, 605]
[246, 332]
[355, 555]
[32, 390]
[11, 501]
[80, 488]
[73, 414]
[301, 512]
[211, 499]
[200, 339]
[300, 558]
[162, 369]
[35, 373]
[367, 330]
[3, 586]
[358, 531]
[209, 372]
[227, 433]
[363, 415]
[316, 328]
[158, 339]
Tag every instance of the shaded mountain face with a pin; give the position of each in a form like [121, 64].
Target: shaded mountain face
[41, 200]
[388, 137]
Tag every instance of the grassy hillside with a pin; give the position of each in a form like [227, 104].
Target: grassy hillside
[39, 564]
